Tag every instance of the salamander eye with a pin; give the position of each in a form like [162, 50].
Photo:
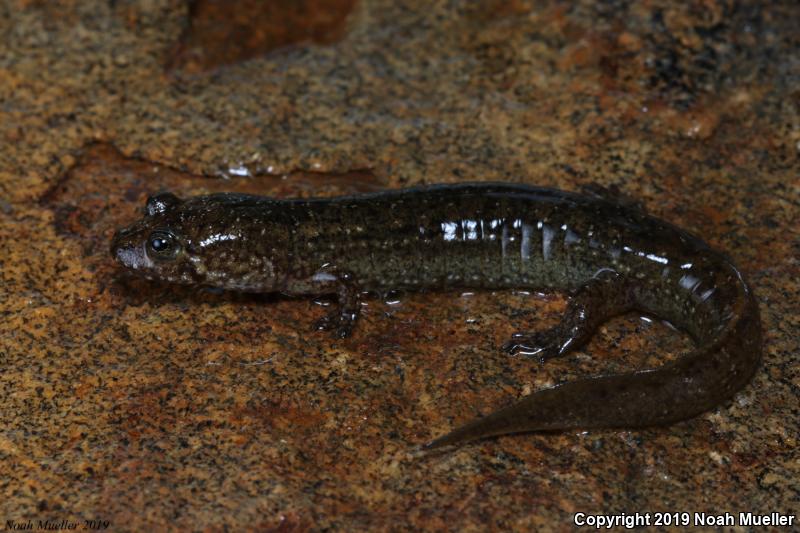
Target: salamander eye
[162, 245]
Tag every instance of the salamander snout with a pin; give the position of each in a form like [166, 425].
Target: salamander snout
[127, 249]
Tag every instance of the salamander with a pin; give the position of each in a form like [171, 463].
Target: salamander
[609, 256]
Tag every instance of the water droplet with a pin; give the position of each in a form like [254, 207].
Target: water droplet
[392, 298]
[239, 170]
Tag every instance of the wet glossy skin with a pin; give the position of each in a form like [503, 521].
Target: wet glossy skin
[611, 257]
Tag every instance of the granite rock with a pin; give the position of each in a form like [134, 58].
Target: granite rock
[153, 406]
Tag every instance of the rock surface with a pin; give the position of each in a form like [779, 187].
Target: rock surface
[159, 407]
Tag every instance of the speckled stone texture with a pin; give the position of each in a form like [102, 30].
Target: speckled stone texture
[159, 407]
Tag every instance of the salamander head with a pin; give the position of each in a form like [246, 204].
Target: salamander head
[199, 241]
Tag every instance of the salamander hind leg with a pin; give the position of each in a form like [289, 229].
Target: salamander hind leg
[602, 297]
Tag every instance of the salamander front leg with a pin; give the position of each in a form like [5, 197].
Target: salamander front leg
[344, 315]
[602, 297]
